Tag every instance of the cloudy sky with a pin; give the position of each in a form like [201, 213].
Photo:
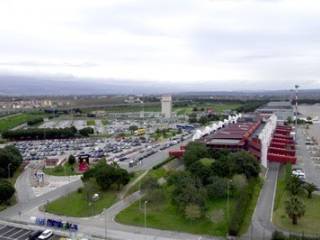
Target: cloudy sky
[222, 44]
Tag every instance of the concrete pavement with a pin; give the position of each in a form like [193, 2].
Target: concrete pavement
[261, 225]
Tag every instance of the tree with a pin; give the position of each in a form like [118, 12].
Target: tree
[294, 185]
[192, 212]
[187, 189]
[133, 128]
[198, 169]
[9, 157]
[86, 131]
[203, 120]
[218, 187]
[149, 184]
[194, 152]
[239, 181]
[310, 188]
[295, 209]
[244, 163]
[71, 160]
[6, 190]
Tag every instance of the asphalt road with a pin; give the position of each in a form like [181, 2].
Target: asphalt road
[261, 226]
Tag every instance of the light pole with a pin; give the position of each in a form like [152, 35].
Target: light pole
[145, 215]
[105, 223]
[228, 202]
[9, 165]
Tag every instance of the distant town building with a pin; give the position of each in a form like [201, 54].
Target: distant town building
[166, 106]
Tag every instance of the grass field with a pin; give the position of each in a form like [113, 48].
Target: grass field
[65, 170]
[10, 122]
[309, 223]
[91, 122]
[216, 107]
[167, 217]
[76, 205]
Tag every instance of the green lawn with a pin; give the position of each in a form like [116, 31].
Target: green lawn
[91, 122]
[76, 205]
[65, 170]
[216, 107]
[12, 121]
[167, 217]
[309, 223]
[207, 161]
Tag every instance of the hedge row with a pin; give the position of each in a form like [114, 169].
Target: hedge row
[241, 207]
[280, 236]
[35, 121]
[40, 133]
[159, 165]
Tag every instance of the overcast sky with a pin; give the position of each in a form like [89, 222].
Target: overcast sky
[224, 44]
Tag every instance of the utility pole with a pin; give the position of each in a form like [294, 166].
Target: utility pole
[145, 215]
[105, 223]
[9, 165]
[296, 107]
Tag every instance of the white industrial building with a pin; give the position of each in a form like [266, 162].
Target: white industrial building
[166, 106]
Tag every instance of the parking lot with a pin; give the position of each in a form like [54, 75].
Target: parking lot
[15, 233]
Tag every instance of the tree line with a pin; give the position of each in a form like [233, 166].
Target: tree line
[46, 133]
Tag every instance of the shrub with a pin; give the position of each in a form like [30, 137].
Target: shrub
[278, 236]
[80, 190]
[71, 160]
[6, 190]
[192, 212]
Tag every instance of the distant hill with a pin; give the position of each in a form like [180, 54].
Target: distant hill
[35, 86]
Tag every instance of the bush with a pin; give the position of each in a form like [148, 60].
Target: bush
[6, 190]
[159, 165]
[278, 236]
[80, 190]
[85, 132]
[192, 212]
[35, 121]
[71, 160]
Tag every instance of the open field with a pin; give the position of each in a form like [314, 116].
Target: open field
[216, 107]
[65, 170]
[167, 217]
[76, 204]
[10, 122]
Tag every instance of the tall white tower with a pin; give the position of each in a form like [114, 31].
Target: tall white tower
[166, 106]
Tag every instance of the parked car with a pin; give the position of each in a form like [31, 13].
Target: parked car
[34, 235]
[46, 234]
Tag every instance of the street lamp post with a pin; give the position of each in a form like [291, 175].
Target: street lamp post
[105, 223]
[145, 215]
[9, 165]
[228, 202]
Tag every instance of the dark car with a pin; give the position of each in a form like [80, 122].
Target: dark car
[34, 235]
